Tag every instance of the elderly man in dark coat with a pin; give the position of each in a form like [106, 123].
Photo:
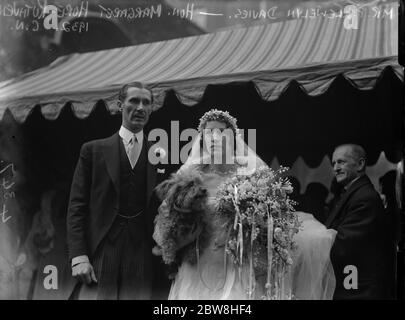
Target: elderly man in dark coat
[359, 254]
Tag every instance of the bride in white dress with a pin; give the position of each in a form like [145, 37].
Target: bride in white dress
[214, 275]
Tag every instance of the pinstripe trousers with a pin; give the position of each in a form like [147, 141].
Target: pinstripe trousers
[122, 267]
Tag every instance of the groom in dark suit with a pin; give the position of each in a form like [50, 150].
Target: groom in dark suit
[358, 217]
[109, 224]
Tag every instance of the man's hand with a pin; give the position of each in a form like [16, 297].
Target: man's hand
[84, 272]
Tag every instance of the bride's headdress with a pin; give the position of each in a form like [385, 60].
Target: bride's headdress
[246, 159]
[218, 115]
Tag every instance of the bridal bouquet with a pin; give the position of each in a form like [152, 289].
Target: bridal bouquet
[262, 224]
[181, 215]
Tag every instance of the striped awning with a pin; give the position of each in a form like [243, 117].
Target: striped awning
[310, 51]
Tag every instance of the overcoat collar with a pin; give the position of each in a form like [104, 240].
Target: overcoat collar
[345, 198]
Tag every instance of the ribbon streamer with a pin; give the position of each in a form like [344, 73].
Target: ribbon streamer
[251, 271]
[238, 221]
[269, 252]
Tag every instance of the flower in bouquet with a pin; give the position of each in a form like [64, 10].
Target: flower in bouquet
[180, 217]
[262, 220]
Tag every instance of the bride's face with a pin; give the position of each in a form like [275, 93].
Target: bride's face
[217, 138]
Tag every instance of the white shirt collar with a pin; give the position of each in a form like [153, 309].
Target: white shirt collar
[127, 135]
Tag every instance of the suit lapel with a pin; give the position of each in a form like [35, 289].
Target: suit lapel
[111, 155]
[345, 197]
[150, 173]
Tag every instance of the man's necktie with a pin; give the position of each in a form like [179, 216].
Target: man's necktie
[133, 151]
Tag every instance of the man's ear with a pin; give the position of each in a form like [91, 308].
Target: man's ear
[119, 104]
[362, 164]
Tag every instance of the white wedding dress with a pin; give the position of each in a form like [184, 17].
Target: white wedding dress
[216, 277]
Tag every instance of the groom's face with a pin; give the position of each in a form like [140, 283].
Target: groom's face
[136, 108]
